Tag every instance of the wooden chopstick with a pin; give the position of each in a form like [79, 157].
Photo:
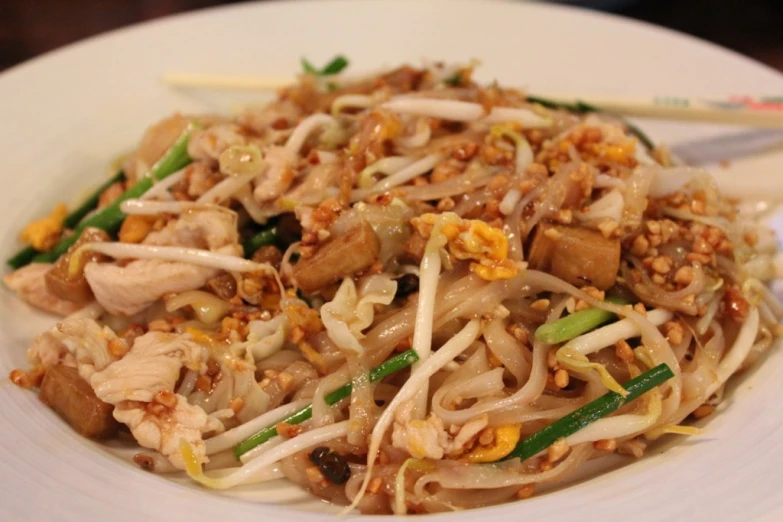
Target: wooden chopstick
[745, 110]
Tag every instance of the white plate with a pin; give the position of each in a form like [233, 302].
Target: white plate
[66, 115]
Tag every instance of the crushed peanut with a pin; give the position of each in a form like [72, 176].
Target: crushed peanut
[540, 305]
[561, 378]
[624, 352]
[557, 451]
[526, 491]
[705, 410]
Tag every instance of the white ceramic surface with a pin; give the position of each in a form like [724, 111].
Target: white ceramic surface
[65, 115]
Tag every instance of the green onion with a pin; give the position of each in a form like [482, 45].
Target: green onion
[591, 412]
[583, 108]
[576, 324]
[388, 367]
[268, 236]
[24, 256]
[337, 64]
[111, 217]
[453, 80]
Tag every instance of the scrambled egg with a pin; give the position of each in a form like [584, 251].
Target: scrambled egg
[618, 152]
[43, 233]
[473, 239]
[506, 439]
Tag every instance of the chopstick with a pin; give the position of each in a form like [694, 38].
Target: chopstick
[742, 110]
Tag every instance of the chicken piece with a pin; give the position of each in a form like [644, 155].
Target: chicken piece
[67, 282]
[429, 438]
[72, 398]
[154, 144]
[151, 366]
[209, 143]
[89, 343]
[149, 370]
[341, 257]
[48, 350]
[208, 229]
[580, 256]
[276, 115]
[29, 284]
[163, 432]
[127, 290]
[278, 176]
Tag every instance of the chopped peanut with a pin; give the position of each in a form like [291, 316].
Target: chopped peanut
[557, 451]
[526, 491]
[623, 351]
[561, 378]
[702, 411]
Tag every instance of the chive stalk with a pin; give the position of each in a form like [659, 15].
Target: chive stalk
[268, 236]
[591, 412]
[575, 324]
[386, 368]
[26, 255]
[111, 217]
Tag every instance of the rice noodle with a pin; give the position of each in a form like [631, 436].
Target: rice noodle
[258, 469]
[418, 378]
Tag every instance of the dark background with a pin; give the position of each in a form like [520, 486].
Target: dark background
[32, 27]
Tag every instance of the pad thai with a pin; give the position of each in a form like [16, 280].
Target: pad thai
[405, 292]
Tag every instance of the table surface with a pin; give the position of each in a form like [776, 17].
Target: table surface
[32, 27]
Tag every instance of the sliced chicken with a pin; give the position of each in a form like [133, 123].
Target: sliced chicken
[278, 176]
[208, 229]
[209, 143]
[29, 284]
[136, 384]
[89, 343]
[151, 366]
[127, 290]
[48, 350]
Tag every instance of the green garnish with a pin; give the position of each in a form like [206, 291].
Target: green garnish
[337, 64]
[453, 80]
[111, 217]
[268, 236]
[583, 108]
[24, 256]
[575, 324]
[395, 364]
[591, 412]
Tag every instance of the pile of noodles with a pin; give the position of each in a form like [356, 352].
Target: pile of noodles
[376, 148]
